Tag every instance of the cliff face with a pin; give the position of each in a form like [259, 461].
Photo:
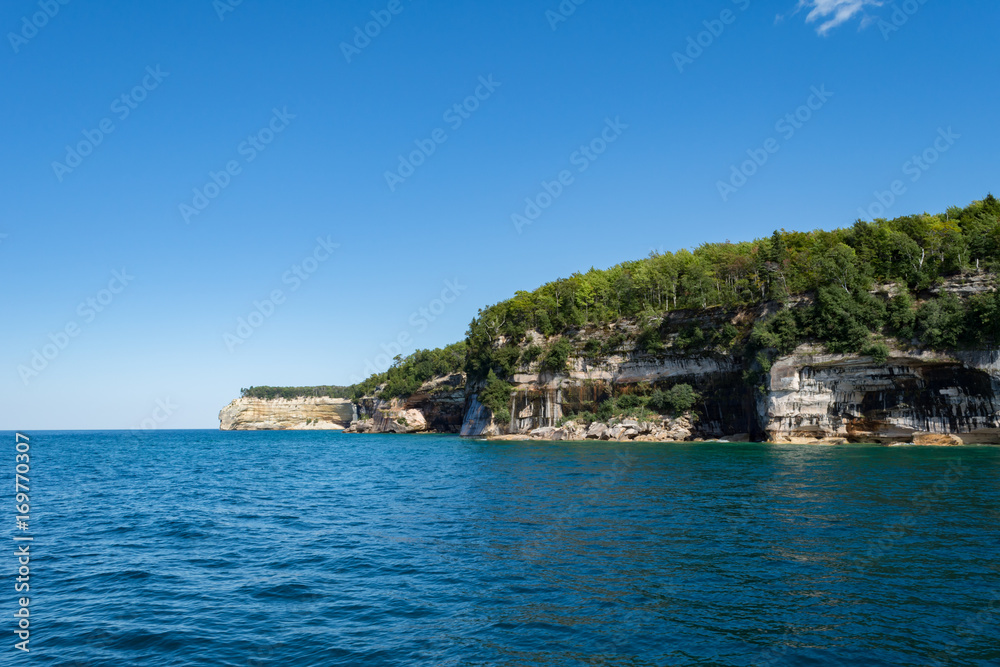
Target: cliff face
[812, 395]
[438, 406]
[255, 414]
[915, 396]
[542, 399]
[808, 396]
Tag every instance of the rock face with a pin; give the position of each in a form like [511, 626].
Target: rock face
[438, 406]
[390, 418]
[279, 414]
[809, 396]
[914, 396]
[937, 439]
[478, 421]
[542, 399]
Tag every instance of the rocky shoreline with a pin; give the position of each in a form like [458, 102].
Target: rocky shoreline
[662, 430]
[673, 430]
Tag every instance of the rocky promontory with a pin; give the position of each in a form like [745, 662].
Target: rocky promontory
[281, 414]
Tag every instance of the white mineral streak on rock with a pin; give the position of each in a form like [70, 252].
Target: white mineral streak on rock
[817, 396]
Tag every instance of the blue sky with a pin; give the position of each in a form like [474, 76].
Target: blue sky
[248, 140]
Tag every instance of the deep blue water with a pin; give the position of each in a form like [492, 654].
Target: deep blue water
[210, 548]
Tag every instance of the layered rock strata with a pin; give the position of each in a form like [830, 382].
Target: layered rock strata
[438, 406]
[812, 395]
[279, 414]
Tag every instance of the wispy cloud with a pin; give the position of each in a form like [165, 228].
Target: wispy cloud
[832, 13]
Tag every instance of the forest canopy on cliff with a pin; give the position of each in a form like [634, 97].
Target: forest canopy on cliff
[851, 289]
[840, 274]
[289, 393]
[406, 375]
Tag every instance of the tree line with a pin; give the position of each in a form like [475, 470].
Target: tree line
[290, 393]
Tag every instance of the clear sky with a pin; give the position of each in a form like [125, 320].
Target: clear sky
[168, 164]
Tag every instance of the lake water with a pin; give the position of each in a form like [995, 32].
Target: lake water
[311, 548]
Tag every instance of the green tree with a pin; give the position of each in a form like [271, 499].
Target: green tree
[901, 316]
[939, 322]
[678, 399]
[557, 356]
[495, 396]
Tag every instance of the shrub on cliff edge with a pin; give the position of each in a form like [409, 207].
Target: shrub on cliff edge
[557, 357]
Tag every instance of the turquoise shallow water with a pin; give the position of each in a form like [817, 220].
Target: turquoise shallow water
[210, 548]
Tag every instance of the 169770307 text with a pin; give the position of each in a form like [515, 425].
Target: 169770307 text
[22, 540]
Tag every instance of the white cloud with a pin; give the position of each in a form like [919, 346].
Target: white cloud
[832, 13]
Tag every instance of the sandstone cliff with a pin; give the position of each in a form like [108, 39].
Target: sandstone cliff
[813, 395]
[255, 414]
[541, 399]
[438, 406]
[809, 397]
